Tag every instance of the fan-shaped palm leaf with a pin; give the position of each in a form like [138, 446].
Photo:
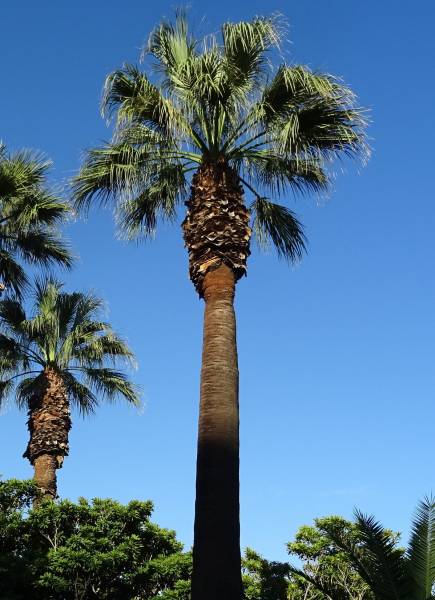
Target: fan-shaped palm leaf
[29, 218]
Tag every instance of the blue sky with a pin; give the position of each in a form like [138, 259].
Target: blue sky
[337, 355]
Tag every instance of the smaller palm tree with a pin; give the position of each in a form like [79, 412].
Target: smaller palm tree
[391, 573]
[57, 357]
[29, 216]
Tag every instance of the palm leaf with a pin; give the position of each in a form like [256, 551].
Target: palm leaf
[12, 314]
[381, 564]
[6, 386]
[43, 248]
[175, 50]
[276, 224]
[12, 274]
[115, 169]
[29, 213]
[80, 394]
[245, 45]
[291, 86]
[26, 390]
[98, 349]
[138, 216]
[111, 384]
[32, 208]
[277, 174]
[421, 552]
[135, 98]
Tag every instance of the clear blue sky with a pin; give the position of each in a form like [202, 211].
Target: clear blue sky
[337, 355]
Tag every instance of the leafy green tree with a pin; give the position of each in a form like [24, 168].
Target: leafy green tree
[29, 216]
[325, 563]
[16, 498]
[263, 579]
[57, 356]
[372, 553]
[215, 117]
[86, 550]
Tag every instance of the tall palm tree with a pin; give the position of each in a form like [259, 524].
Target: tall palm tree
[29, 216]
[391, 573]
[213, 115]
[56, 357]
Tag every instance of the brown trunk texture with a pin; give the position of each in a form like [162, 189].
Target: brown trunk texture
[216, 227]
[216, 550]
[45, 476]
[49, 424]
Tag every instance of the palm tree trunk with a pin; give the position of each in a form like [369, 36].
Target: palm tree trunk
[49, 424]
[45, 466]
[216, 550]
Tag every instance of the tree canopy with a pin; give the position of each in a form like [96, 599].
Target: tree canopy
[218, 99]
[89, 549]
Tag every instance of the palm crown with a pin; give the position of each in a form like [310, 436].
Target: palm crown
[219, 101]
[64, 334]
[29, 214]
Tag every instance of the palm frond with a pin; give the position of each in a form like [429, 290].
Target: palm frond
[12, 274]
[87, 306]
[138, 217]
[43, 248]
[135, 98]
[175, 50]
[67, 305]
[245, 45]
[29, 213]
[12, 314]
[305, 112]
[22, 171]
[421, 552]
[32, 208]
[46, 293]
[6, 386]
[8, 346]
[291, 86]
[98, 349]
[13, 355]
[82, 397]
[275, 223]
[25, 390]
[277, 174]
[108, 171]
[324, 128]
[111, 384]
[381, 563]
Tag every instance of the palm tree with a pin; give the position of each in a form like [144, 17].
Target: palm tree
[29, 214]
[54, 358]
[391, 573]
[214, 110]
